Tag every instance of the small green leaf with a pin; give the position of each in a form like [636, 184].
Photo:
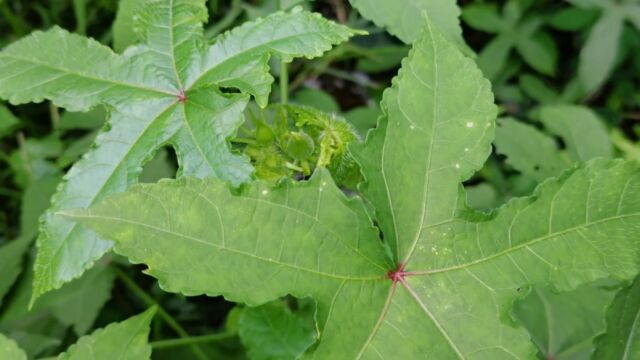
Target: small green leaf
[494, 55]
[483, 17]
[35, 200]
[537, 89]
[539, 51]
[622, 337]
[382, 58]
[316, 98]
[563, 325]
[572, 19]
[583, 132]
[125, 340]
[123, 27]
[10, 350]
[404, 18]
[7, 121]
[272, 331]
[35, 344]
[529, 150]
[11, 258]
[600, 50]
[78, 303]
[363, 118]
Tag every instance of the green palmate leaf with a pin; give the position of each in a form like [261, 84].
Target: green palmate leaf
[563, 325]
[404, 18]
[423, 116]
[272, 331]
[163, 91]
[448, 276]
[315, 214]
[622, 337]
[10, 350]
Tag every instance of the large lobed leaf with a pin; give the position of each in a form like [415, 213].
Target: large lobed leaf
[444, 277]
[436, 132]
[164, 91]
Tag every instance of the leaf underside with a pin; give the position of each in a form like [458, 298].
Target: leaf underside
[164, 91]
[443, 278]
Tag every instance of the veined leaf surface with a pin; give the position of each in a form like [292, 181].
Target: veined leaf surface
[164, 91]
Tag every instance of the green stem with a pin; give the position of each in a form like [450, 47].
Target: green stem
[162, 344]
[284, 82]
[55, 116]
[24, 155]
[150, 301]
[80, 11]
[231, 15]
[346, 76]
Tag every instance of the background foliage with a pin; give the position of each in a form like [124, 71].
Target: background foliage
[566, 76]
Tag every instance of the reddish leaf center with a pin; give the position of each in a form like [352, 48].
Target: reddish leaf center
[182, 97]
[397, 275]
